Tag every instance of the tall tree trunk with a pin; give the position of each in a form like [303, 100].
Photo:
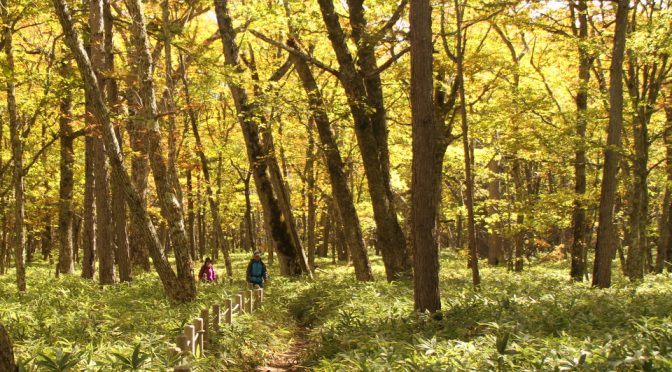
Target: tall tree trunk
[214, 206]
[89, 218]
[370, 127]
[180, 287]
[425, 191]
[66, 263]
[248, 241]
[605, 245]
[140, 172]
[293, 260]
[579, 222]
[15, 131]
[339, 182]
[495, 239]
[469, 195]
[169, 101]
[191, 232]
[663, 257]
[119, 224]
[310, 194]
[640, 199]
[104, 232]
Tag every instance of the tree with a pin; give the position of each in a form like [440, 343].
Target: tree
[425, 187]
[579, 12]
[469, 179]
[179, 287]
[293, 260]
[6, 352]
[16, 130]
[360, 78]
[605, 245]
[66, 262]
[104, 232]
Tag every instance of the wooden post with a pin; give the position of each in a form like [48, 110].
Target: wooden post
[229, 311]
[174, 352]
[216, 316]
[199, 332]
[206, 320]
[259, 297]
[189, 333]
[182, 342]
[242, 300]
[249, 302]
[182, 369]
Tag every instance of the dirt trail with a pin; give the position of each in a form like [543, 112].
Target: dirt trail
[289, 360]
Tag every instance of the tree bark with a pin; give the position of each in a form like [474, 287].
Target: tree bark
[176, 287]
[292, 258]
[89, 218]
[66, 263]
[104, 232]
[364, 96]
[425, 191]
[605, 245]
[6, 352]
[171, 207]
[119, 225]
[579, 222]
[310, 194]
[15, 131]
[191, 232]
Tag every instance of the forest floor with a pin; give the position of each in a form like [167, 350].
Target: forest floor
[535, 320]
[290, 359]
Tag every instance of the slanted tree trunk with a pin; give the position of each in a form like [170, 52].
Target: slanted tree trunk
[579, 222]
[606, 234]
[104, 232]
[339, 183]
[179, 287]
[365, 100]
[66, 263]
[171, 207]
[293, 260]
[17, 152]
[425, 191]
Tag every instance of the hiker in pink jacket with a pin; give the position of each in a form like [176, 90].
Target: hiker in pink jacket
[207, 273]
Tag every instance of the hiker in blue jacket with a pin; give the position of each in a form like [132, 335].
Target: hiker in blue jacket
[256, 271]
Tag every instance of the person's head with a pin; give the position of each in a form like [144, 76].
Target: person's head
[257, 255]
[208, 261]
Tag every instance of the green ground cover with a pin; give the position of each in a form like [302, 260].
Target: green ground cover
[536, 320]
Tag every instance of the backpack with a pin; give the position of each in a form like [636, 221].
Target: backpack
[257, 269]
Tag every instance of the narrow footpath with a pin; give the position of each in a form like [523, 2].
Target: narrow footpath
[290, 360]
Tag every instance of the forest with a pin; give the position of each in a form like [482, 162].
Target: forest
[431, 185]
